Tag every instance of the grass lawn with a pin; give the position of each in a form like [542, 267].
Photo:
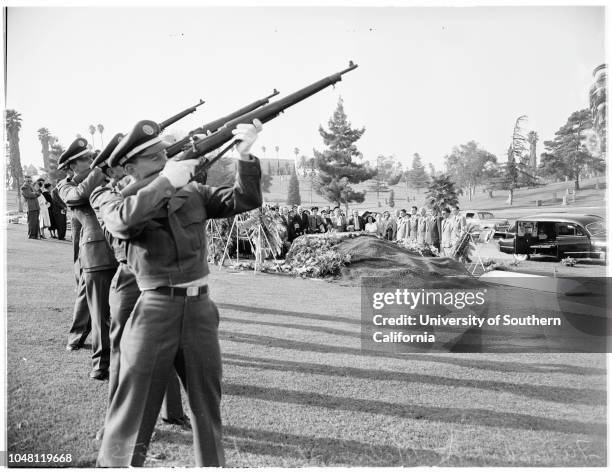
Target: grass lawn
[297, 389]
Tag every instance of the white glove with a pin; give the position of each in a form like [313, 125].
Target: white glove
[179, 172]
[246, 136]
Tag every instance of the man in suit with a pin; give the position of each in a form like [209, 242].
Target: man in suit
[459, 224]
[303, 219]
[413, 224]
[31, 197]
[403, 223]
[447, 233]
[338, 221]
[433, 227]
[356, 222]
[314, 220]
[96, 259]
[58, 208]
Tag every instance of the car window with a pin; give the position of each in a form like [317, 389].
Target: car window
[596, 228]
[486, 216]
[568, 229]
[469, 215]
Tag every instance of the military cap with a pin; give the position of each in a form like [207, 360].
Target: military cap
[145, 136]
[102, 158]
[77, 149]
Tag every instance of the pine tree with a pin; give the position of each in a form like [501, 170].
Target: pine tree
[441, 192]
[293, 194]
[337, 169]
[391, 202]
[416, 177]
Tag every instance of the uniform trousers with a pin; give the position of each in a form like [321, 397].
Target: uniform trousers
[97, 287]
[122, 298]
[81, 321]
[165, 331]
[33, 224]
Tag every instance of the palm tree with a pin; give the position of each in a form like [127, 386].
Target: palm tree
[44, 138]
[532, 137]
[515, 156]
[296, 151]
[13, 125]
[263, 150]
[597, 101]
[92, 131]
[101, 130]
[276, 148]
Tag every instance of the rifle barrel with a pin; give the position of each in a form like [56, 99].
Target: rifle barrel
[216, 124]
[173, 119]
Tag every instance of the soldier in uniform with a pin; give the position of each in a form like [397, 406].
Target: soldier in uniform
[31, 197]
[124, 290]
[174, 322]
[96, 259]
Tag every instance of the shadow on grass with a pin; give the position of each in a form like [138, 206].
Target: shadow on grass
[309, 328]
[542, 392]
[473, 416]
[499, 366]
[299, 314]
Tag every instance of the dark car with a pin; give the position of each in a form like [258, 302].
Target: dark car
[557, 234]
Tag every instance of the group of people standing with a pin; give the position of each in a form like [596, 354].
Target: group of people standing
[424, 226]
[45, 209]
[139, 234]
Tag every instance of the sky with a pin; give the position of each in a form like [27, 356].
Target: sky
[428, 78]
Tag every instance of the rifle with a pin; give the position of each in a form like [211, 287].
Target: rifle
[264, 114]
[173, 119]
[100, 159]
[224, 134]
[216, 124]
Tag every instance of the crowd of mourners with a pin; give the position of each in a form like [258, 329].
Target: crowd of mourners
[441, 230]
[45, 209]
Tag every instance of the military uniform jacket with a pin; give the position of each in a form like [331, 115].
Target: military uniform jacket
[166, 228]
[31, 197]
[94, 252]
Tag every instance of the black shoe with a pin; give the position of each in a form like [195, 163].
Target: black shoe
[184, 421]
[72, 347]
[99, 374]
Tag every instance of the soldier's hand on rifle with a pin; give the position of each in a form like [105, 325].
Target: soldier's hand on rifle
[246, 136]
[179, 172]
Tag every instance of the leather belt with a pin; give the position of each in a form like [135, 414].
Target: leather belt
[183, 291]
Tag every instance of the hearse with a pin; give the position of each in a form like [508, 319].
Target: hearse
[558, 235]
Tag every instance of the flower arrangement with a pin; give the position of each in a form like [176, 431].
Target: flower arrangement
[569, 262]
[421, 249]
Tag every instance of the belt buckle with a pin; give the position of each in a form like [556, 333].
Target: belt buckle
[193, 291]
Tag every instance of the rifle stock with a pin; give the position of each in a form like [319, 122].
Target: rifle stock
[216, 124]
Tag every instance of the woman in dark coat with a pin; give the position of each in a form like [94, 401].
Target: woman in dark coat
[58, 214]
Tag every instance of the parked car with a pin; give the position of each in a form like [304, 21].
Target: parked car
[557, 234]
[478, 221]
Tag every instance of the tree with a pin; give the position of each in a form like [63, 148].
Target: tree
[466, 164]
[441, 192]
[532, 138]
[567, 154]
[416, 177]
[388, 170]
[337, 168]
[45, 140]
[56, 151]
[266, 182]
[269, 168]
[263, 150]
[391, 201]
[276, 148]
[101, 130]
[92, 131]
[296, 151]
[432, 170]
[293, 193]
[13, 125]
[597, 105]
